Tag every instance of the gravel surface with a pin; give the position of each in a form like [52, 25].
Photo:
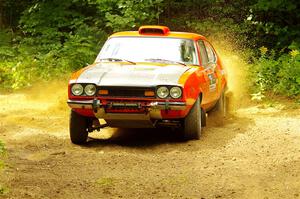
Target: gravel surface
[254, 153]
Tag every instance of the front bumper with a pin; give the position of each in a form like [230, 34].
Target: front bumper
[151, 110]
[94, 104]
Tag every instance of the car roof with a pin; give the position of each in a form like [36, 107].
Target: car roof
[167, 34]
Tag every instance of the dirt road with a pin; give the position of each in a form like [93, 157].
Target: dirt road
[253, 154]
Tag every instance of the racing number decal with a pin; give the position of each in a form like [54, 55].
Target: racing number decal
[212, 82]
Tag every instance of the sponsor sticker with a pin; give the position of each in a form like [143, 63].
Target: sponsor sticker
[212, 82]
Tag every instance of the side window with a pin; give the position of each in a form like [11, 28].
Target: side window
[203, 53]
[187, 52]
[212, 58]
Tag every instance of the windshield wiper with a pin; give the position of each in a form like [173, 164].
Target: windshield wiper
[165, 61]
[116, 60]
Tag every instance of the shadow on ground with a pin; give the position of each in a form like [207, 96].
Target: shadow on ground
[137, 138]
[217, 133]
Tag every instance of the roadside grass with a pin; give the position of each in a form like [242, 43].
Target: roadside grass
[106, 181]
[2, 165]
[277, 101]
[3, 189]
[2, 148]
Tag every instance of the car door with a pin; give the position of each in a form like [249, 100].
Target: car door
[208, 60]
[216, 76]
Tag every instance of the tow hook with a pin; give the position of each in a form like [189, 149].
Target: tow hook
[139, 105]
[167, 106]
[95, 125]
[96, 105]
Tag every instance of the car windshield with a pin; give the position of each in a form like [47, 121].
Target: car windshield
[149, 49]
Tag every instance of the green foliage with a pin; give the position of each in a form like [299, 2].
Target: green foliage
[275, 22]
[289, 75]
[40, 40]
[3, 190]
[105, 181]
[131, 14]
[2, 148]
[2, 151]
[6, 50]
[280, 75]
[57, 37]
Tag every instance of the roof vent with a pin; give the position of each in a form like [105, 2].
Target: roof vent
[154, 30]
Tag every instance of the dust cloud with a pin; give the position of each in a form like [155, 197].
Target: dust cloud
[45, 96]
[236, 67]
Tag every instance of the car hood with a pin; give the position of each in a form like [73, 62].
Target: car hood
[119, 74]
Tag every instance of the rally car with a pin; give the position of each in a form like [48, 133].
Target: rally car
[148, 78]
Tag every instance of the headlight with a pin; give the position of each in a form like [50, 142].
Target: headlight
[175, 92]
[90, 89]
[77, 89]
[162, 92]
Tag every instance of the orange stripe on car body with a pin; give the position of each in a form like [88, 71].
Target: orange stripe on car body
[75, 75]
[186, 75]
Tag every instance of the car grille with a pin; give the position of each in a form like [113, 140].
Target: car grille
[129, 92]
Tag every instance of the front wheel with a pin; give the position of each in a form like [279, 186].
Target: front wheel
[78, 128]
[192, 122]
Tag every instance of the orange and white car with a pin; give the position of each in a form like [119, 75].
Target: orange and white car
[146, 79]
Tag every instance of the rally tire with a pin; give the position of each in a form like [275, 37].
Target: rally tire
[192, 123]
[78, 128]
[203, 117]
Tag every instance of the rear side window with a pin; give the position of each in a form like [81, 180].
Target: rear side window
[203, 53]
[212, 58]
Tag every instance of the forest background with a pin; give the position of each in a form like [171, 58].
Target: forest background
[45, 39]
